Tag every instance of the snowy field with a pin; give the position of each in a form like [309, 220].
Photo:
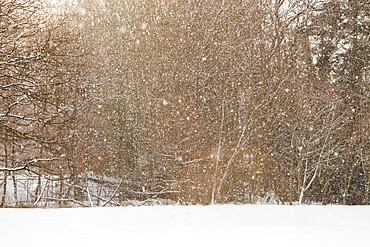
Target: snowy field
[227, 225]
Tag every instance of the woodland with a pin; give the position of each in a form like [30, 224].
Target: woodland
[111, 102]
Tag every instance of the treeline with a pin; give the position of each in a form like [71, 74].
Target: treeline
[187, 100]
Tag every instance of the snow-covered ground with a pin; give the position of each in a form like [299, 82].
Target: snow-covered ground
[224, 225]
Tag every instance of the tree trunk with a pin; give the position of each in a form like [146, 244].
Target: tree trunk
[60, 194]
[290, 189]
[367, 186]
[38, 191]
[301, 195]
[15, 189]
[324, 191]
[300, 182]
[3, 198]
[347, 182]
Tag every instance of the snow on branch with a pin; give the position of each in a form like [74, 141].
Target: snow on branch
[25, 166]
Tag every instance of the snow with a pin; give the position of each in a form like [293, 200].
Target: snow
[224, 225]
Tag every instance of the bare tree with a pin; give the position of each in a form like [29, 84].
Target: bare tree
[37, 81]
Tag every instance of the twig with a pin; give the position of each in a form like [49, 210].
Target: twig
[115, 192]
[42, 192]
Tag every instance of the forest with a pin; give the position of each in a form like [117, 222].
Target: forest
[120, 102]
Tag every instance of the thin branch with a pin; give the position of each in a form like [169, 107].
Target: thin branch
[26, 166]
[114, 193]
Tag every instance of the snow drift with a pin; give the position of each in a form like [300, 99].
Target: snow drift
[224, 225]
